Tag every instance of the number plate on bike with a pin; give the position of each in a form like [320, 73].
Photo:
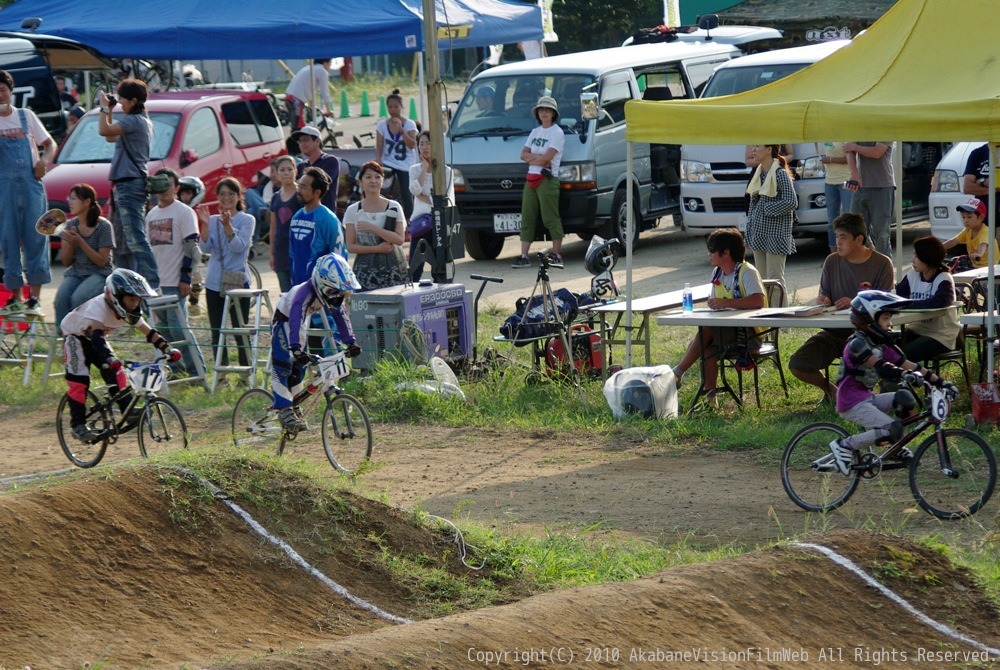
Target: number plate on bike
[939, 404]
[334, 367]
[147, 378]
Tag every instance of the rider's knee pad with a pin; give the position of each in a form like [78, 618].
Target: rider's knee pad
[903, 403]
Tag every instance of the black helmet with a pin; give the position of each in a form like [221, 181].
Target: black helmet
[121, 283]
[868, 306]
[602, 255]
[637, 398]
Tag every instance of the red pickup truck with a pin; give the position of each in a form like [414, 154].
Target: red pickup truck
[205, 134]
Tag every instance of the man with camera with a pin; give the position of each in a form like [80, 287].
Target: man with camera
[133, 136]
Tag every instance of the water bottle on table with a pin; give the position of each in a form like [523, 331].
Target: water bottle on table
[687, 301]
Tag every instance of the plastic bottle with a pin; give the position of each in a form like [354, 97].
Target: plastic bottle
[688, 299]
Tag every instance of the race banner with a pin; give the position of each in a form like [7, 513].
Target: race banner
[672, 13]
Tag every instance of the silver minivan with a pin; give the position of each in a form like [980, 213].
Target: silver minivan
[483, 143]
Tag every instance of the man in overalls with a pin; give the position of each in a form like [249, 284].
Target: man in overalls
[22, 201]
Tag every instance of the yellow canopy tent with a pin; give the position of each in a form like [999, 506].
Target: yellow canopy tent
[928, 70]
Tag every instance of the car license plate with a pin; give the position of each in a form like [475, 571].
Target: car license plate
[507, 223]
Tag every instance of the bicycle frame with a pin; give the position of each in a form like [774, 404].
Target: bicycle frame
[138, 390]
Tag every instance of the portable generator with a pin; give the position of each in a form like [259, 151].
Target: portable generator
[413, 322]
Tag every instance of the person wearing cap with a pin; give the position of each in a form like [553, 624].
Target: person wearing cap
[314, 77]
[485, 95]
[540, 200]
[975, 235]
[311, 149]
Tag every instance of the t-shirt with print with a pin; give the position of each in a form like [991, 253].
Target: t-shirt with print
[97, 314]
[100, 238]
[395, 153]
[137, 138]
[10, 128]
[841, 278]
[973, 240]
[541, 140]
[876, 172]
[311, 235]
[282, 211]
[167, 227]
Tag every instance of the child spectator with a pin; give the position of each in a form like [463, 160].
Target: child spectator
[975, 236]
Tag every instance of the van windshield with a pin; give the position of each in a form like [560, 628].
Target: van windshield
[85, 145]
[729, 80]
[502, 105]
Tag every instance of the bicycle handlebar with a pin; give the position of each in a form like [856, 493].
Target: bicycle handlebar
[495, 280]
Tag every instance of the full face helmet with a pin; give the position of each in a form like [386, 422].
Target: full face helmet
[121, 283]
[332, 278]
[602, 255]
[194, 185]
[637, 398]
[868, 306]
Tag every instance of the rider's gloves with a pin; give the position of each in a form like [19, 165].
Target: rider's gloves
[353, 350]
[301, 357]
[948, 388]
[173, 355]
[913, 378]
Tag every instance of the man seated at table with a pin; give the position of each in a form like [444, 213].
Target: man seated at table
[853, 267]
[736, 284]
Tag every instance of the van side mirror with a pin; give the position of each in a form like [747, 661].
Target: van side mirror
[188, 156]
[31, 24]
[588, 106]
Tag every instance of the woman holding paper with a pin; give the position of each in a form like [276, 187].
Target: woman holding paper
[771, 212]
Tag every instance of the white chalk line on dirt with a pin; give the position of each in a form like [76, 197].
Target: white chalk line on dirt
[848, 564]
[260, 530]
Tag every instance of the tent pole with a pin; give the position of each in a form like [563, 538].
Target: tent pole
[897, 206]
[991, 291]
[629, 157]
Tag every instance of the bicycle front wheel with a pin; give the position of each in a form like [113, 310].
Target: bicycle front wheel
[808, 473]
[956, 482]
[255, 426]
[83, 454]
[347, 433]
[161, 428]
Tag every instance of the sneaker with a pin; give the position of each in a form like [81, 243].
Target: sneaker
[824, 464]
[521, 262]
[903, 454]
[13, 307]
[86, 434]
[556, 260]
[842, 456]
[290, 422]
[32, 307]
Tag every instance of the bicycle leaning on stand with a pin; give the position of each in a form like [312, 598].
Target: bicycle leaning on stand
[952, 473]
[160, 422]
[345, 430]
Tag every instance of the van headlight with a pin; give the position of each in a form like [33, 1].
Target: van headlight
[946, 181]
[457, 177]
[812, 168]
[695, 172]
[578, 172]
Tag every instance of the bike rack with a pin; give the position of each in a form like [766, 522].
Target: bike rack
[240, 329]
[18, 345]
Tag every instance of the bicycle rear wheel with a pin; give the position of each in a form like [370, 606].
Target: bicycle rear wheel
[968, 484]
[255, 426]
[808, 473]
[161, 428]
[82, 454]
[347, 433]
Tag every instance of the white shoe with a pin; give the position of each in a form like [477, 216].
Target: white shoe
[842, 456]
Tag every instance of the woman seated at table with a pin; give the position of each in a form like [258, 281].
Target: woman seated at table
[736, 284]
[929, 285]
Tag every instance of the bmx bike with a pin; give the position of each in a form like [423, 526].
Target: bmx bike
[952, 473]
[345, 428]
[160, 422]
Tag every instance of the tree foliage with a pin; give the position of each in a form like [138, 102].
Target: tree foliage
[596, 24]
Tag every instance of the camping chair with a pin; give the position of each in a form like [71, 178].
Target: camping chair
[769, 348]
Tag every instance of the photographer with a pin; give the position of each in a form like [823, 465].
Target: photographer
[132, 136]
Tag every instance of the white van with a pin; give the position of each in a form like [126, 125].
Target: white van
[714, 177]
[484, 144]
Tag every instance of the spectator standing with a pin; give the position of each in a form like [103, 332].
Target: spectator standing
[976, 179]
[375, 233]
[771, 215]
[311, 79]
[22, 200]
[173, 235]
[870, 164]
[227, 236]
[311, 148]
[395, 145]
[133, 136]
[86, 247]
[540, 199]
[284, 203]
[929, 285]
[421, 224]
[314, 229]
[838, 196]
[855, 267]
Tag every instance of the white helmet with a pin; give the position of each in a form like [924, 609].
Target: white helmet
[192, 184]
[121, 283]
[332, 278]
[868, 306]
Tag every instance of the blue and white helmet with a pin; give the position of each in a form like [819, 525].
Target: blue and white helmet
[121, 283]
[332, 278]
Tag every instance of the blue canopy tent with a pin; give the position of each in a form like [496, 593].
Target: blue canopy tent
[224, 29]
